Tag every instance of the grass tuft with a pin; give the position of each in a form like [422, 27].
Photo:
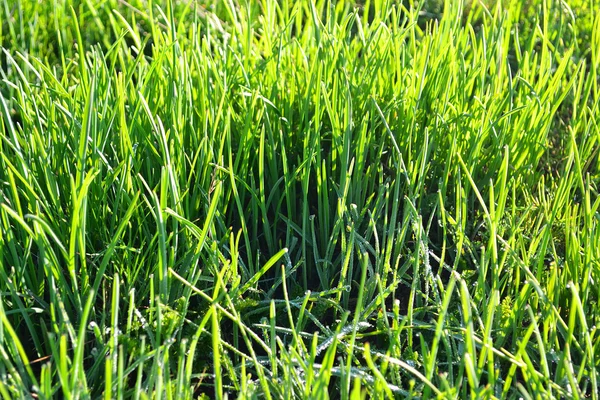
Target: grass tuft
[312, 199]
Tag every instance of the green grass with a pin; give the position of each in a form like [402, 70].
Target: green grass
[299, 199]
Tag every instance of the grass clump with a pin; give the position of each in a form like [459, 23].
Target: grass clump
[299, 199]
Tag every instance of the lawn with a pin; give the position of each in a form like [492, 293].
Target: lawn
[309, 199]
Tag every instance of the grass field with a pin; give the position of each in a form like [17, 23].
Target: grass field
[311, 199]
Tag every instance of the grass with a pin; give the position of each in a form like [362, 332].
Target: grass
[299, 199]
